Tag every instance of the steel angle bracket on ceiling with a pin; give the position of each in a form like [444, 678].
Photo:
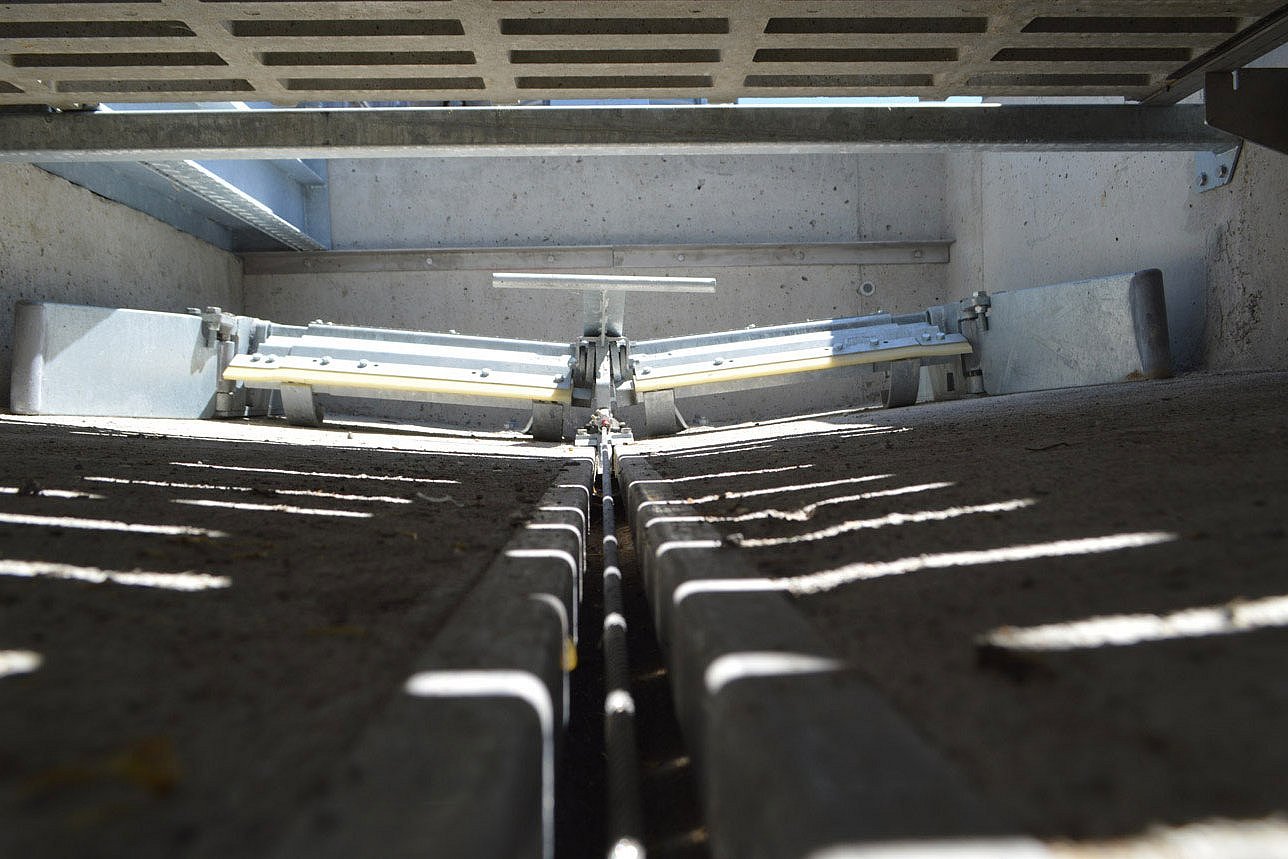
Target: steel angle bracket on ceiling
[238, 206]
[280, 209]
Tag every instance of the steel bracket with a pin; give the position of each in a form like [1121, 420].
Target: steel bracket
[1214, 169]
[603, 428]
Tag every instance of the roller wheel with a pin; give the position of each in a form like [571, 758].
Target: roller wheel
[901, 386]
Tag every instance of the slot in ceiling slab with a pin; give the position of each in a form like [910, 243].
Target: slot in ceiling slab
[509, 51]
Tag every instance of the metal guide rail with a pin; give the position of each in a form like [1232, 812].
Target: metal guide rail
[68, 359]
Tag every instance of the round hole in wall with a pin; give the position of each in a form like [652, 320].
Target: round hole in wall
[867, 288]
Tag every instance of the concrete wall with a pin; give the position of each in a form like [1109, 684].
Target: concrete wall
[1018, 220]
[59, 242]
[470, 202]
[476, 202]
[1027, 220]
[1247, 265]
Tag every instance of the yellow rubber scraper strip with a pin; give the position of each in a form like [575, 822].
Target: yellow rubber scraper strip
[349, 380]
[761, 369]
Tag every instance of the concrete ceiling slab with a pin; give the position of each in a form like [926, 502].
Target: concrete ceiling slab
[503, 51]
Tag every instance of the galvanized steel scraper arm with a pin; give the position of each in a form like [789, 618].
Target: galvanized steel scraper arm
[206, 363]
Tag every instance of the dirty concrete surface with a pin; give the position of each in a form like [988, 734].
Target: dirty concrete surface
[909, 537]
[199, 681]
[197, 689]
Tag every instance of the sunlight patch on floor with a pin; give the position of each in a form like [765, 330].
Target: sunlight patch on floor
[890, 519]
[273, 508]
[328, 474]
[215, 487]
[184, 581]
[19, 662]
[1125, 629]
[106, 525]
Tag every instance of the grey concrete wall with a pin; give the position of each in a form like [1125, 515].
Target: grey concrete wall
[1027, 220]
[59, 242]
[1247, 265]
[468, 202]
[1017, 221]
[475, 202]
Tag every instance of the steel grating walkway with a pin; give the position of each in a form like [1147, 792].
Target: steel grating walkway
[501, 51]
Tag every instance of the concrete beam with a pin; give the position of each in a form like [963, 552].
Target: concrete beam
[428, 132]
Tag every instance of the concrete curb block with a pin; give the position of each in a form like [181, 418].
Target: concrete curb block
[796, 753]
[461, 762]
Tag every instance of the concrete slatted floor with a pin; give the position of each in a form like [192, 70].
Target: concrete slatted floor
[946, 569]
[1078, 600]
[202, 679]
